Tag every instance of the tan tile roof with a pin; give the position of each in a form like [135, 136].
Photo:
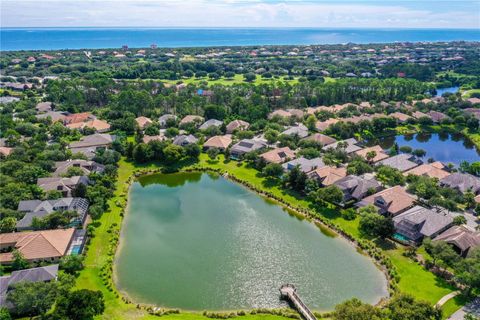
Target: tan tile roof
[98, 125]
[432, 170]
[37, 244]
[237, 125]
[78, 117]
[400, 116]
[278, 155]
[147, 139]
[143, 121]
[221, 142]
[396, 199]
[5, 151]
[280, 113]
[191, 118]
[323, 125]
[380, 154]
[329, 175]
[321, 138]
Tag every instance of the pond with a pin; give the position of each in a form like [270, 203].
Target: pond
[441, 91]
[201, 242]
[443, 147]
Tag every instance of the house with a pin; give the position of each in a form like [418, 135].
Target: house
[419, 114]
[321, 139]
[53, 115]
[99, 126]
[237, 125]
[278, 155]
[432, 170]
[36, 246]
[328, 175]
[219, 142]
[211, 123]
[183, 140]
[245, 146]
[6, 100]
[165, 118]
[5, 151]
[349, 145]
[160, 137]
[40, 209]
[143, 122]
[378, 152]
[462, 238]
[419, 222]
[437, 117]
[475, 112]
[43, 107]
[78, 117]
[299, 130]
[65, 185]
[462, 182]
[297, 113]
[87, 166]
[390, 201]
[402, 162]
[88, 145]
[279, 113]
[40, 274]
[401, 117]
[323, 125]
[190, 119]
[474, 100]
[358, 187]
[305, 165]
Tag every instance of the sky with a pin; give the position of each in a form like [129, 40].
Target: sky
[241, 13]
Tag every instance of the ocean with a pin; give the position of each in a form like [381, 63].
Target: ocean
[95, 38]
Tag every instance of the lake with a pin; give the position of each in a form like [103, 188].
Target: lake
[201, 242]
[443, 147]
[441, 91]
[95, 38]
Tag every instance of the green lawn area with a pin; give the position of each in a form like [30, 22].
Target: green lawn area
[468, 93]
[238, 78]
[413, 278]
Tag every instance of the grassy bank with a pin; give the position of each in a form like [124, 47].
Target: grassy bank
[413, 278]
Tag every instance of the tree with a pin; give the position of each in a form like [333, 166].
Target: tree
[249, 77]
[173, 153]
[355, 309]
[440, 251]
[419, 152]
[32, 298]
[4, 314]
[81, 304]
[310, 122]
[405, 307]
[330, 194]
[273, 170]
[467, 271]
[459, 220]
[8, 224]
[213, 153]
[371, 155]
[192, 150]
[142, 153]
[71, 264]
[19, 261]
[374, 224]
[390, 176]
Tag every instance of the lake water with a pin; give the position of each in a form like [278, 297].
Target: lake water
[94, 38]
[443, 147]
[201, 242]
[441, 91]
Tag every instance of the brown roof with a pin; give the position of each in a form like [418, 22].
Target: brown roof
[328, 175]
[432, 170]
[220, 142]
[278, 155]
[5, 151]
[380, 154]
[237, 124]
[395, 199]
[402, 117]
[98, 125]
[419, 114]
[280, 113]
[321, 138]
[37, 244]
[78, 117]
[463, 237]
[143, 122]
[191, 118]
[323, 125]
[147, 139]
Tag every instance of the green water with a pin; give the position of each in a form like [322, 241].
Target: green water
[201, 242]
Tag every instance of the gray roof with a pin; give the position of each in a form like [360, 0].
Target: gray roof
[209, 123]
[40, 209]
[163, 119]
[401, 162]
[306, 165]
[182, 140]
[43, 274]
[464, 237]
[299, 130]
[87, 166]
[462, 182]
[357, 187]
[94, 140]
[54, 115]
[66, 184]
[351, 145]
[5, 100]
[419, 222]
[247, 145]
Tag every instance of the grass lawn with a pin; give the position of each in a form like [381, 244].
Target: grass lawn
[238, 78]
[414, 279]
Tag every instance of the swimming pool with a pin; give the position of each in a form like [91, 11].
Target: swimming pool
[400, 237]
[76, 250]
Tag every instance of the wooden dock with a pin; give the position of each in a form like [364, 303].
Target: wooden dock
[289, 291]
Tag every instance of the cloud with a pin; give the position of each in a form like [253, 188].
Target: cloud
[241, 13]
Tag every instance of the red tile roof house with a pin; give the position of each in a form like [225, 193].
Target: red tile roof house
[65, 185]
[279, 155]
[36, 246]
[378, 151]
[401, 117]
[391, 201]
[142, 122]
[78, 117]
[237, 125]
[328, 175]
[219, 142]
[99, 126]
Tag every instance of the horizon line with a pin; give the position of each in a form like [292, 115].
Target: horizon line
[239, 27]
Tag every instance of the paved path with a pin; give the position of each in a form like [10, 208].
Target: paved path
[289, 291]
[447, 297]
[472, 307]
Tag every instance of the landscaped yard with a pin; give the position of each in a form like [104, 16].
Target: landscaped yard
[238, 78]
[413, 278]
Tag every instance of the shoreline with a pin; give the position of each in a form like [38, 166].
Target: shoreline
[288, 208]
